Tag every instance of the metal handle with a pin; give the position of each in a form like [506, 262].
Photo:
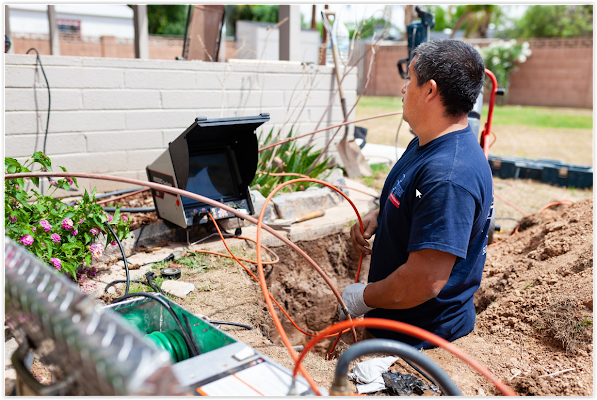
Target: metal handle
[35, 388]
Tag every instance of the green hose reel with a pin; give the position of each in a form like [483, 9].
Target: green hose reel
[172, 342]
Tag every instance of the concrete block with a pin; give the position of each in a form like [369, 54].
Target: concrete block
[22, 145]
[208, 80]
[293, 205]
[25, 99]
[177, 288]
[159, 79]
[107, 186]
[124, 140]
[120, 99]
[139, 159]
[68, 77]
[17, 76]
[169, 135]
[65, 143]
[92, 162]
[258, 201]
[24, 122]
[191, 99]
[156, 119]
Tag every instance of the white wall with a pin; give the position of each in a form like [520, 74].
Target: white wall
[116, 116]
[255, 41]
[96, 20]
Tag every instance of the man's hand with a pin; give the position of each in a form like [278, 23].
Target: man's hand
[353, 298]
[359, 241]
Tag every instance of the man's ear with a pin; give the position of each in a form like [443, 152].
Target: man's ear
[432, 91]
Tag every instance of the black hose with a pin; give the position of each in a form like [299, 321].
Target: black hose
[160, 300]
[130, 210]
[126, 264]
[49, 103]
[231, 323]
[420, 371]
[115, 193]
[396, 348]
[187, 324]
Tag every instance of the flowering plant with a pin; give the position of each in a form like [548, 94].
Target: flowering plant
[501, 58]
[63, 235]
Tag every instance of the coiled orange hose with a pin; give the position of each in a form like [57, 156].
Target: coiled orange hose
[412, 331]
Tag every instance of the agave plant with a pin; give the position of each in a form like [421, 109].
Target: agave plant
[289, 158]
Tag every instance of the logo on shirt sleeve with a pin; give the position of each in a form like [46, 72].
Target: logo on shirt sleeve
[397, 192]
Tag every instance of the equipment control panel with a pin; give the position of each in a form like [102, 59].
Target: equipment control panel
[198, 215]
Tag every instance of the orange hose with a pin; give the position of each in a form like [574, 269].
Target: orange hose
[215, 253]
[250, 273]
[510, 204]
[263, 284]
[412, 331]
[308, 177]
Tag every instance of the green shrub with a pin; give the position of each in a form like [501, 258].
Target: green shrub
[288, 157]
[62, 235]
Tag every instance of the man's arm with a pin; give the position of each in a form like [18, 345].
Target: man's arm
[421, 278]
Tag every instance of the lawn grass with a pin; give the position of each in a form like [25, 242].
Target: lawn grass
[540, 117]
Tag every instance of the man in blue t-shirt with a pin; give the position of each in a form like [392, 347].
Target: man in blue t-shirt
[431, 228]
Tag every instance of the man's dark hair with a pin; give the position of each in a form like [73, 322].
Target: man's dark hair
[456, 67]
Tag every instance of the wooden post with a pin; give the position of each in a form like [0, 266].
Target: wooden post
[141, 31]
[313, 17]
[290, 32]
[54, 34]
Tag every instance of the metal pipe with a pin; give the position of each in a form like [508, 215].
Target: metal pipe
[340, 385]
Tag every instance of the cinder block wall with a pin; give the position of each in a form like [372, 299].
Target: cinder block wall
[115, 116]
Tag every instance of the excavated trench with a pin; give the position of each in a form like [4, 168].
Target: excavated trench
[303, 292]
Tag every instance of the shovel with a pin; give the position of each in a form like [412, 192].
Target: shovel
[350, 152]
[286, 223]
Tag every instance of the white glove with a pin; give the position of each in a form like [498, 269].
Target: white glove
[355, 303]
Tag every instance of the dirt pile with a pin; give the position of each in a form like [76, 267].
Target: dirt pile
[538, 288]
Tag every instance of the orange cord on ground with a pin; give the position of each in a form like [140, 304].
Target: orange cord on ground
[412, 331]
[250, 273]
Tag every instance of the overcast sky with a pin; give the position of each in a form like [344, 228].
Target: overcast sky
[356, 12]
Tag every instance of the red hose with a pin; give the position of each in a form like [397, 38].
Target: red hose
[412, 331]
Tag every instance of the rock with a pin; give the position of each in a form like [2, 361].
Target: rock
[293, 205]
[258, 201]
[177, 288]
[480, 392]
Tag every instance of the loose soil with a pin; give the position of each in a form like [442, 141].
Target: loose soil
[535, 305]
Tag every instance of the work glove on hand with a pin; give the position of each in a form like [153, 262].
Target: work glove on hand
[355, 303]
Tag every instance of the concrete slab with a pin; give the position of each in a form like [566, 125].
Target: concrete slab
[381, 154]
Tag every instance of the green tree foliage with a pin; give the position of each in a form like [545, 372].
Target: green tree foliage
[249, 12]
[554, 21]
[475, 19]
[441, 18]
[167, 19]
[367, 27]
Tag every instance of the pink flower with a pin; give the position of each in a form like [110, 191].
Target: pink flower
[12, 219]
[44, 169]
[81, 221]
[26, 240]
[112, 243]
[43, 244]
[52, 182]
[67, 224]
[69, 180]
[96, 251]
[17, 187]
[33, 229]
[56, 262]
[46, 225]
[55, 237]
[109, 218]
[124, 218]
[74, 232]
[94, 231]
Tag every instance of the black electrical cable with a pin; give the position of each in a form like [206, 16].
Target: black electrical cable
[231, 323]
[190, 331]
[420, 371]
[49, 103]
[126, 264]
[115, 193]
[167, 306]
[130, 210]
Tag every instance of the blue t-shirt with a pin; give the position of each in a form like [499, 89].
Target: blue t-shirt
[437, 196]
